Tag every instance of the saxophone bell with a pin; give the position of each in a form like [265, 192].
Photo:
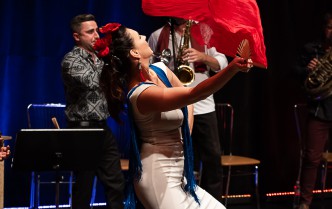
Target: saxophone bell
[184, 72]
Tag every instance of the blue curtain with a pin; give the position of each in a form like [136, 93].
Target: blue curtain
[34, 37]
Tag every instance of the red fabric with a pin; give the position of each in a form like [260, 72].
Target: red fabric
[163, 39]
[230, 22]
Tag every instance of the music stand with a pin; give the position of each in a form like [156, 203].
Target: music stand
[58, 150]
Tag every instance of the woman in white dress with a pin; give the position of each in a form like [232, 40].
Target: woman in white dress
[161, 171]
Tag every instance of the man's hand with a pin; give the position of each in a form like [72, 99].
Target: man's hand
[312, 64]
[4, 152]
[192, 55]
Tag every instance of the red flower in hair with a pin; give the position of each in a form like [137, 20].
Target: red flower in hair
[102, 44]
[109, 28]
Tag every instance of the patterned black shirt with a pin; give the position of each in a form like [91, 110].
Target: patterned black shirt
[84, 98]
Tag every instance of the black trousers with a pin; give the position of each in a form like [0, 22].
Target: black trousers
[207, 150]
[317, 133]
[108, 172]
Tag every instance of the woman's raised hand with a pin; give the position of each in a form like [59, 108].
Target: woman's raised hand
[241, 64]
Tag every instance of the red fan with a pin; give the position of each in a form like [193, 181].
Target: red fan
[221, 23]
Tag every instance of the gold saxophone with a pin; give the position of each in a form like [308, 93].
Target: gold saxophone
[184, 72]
[318, 83]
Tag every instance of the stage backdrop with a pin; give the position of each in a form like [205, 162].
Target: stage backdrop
[35, 35]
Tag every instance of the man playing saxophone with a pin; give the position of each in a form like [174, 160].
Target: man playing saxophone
[175, 35]
[319, 121]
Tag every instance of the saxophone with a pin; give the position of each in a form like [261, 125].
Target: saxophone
[164, 56]
[184, 72]
[318, 83]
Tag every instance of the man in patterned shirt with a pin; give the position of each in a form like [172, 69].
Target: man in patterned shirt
[87, 108]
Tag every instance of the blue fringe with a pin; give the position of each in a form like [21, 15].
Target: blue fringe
[135, 164]
[130, 201]
[189, 157]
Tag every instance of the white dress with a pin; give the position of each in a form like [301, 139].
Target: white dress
[163, 161]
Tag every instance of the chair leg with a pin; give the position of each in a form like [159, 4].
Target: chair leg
[297, 191]
[37, 191]
[71, 177]
[32, 190]
[93, 196]
[200, 172]
[256, 187]
[323, 179]
[227, 185]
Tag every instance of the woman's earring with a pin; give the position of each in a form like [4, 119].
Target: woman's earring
[139, 65]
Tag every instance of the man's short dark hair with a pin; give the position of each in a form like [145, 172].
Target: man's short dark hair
[75, 23]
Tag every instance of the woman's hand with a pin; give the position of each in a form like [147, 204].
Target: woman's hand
[241, 64]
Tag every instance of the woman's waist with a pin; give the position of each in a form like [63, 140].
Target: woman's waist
[169, 150]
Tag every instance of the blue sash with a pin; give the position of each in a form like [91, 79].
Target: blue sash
[187, 141]
[135, 164]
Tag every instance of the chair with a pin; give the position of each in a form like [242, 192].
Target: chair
[300, 115]
[46, 116]
[121, 136]
[327, 159]
[225, 116]
[124, 167]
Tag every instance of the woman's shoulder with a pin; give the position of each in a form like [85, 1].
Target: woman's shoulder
[160, 65]
[138, 89]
